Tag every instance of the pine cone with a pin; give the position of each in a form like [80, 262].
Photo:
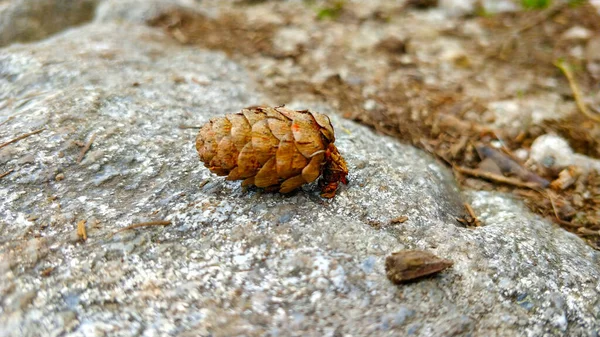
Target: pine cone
[273, 148]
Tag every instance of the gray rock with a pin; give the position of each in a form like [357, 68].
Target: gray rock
[30, 20]
[237, 262]
[138, 11]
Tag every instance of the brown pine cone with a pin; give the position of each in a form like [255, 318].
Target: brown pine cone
[273, 148]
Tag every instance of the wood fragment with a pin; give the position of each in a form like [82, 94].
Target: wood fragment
[473, 221]
[81, 230]
[588, 232]
[445, 121]
[185, 126]
[46, 272]
[399, 219]
[86, 148]
[6, 173]
[456, 148]
[200, 82]
[470, 210]
[23, 136]
[408, 265]
[566, 178]
[566, 70]
[203, 182]
[549, 195]
[144, 224]
[496, 177]
[179, 36]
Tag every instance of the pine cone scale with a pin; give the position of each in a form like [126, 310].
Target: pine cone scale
[325, 123]
[252, 116]
[263, 141]
[273, 148]
[290, 161]
[306, 135]
[240, 130]
[292, 184]
[267, 175]
[222, 128]
[279, 128]
[227, 154]
[248, 164]
[313, 170]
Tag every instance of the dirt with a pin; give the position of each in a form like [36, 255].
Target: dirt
[449, 84]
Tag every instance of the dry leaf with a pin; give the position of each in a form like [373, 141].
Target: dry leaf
[408, 265]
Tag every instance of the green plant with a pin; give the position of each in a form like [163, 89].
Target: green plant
[535, 4]
[330, 12]
[575, 3]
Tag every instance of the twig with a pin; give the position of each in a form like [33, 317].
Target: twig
[459, 146]
[588, 232]
[474, 220]
[463, 221]
[203, 182]
[495, 177]
[184, 126]
[548, 194]
[144, 224]
[6, 173]
[452, 122]
[81, 231]
[566, 70]
[86, 148]
[21, 137]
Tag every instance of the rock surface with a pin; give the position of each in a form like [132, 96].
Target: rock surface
[237, 262]
[27, 20]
